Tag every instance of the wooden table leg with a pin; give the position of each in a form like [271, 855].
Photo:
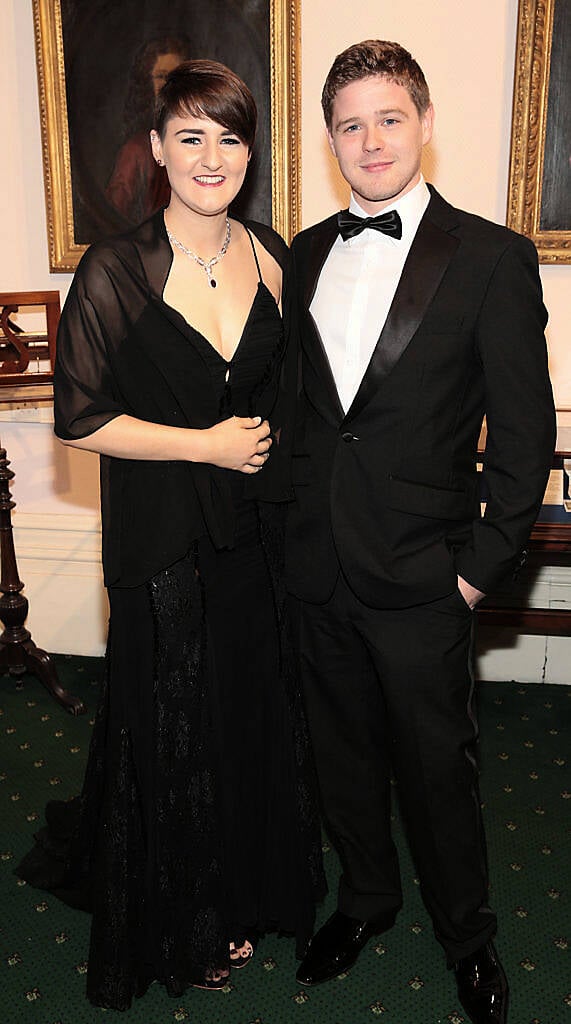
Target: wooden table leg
[18, 652]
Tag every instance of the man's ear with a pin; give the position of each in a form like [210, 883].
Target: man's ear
[331, 142]
[427, 121]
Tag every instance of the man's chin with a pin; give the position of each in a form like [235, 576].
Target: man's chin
[381, 195]
[379, 200]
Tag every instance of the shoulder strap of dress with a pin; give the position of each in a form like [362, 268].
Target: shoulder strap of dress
[249, 233]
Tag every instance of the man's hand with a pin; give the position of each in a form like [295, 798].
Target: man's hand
[469, 593]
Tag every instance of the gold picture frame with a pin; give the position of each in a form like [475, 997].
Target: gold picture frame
[283, 181]
[539, 196]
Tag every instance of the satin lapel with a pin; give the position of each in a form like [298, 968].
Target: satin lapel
[423, 271]
[319, 249]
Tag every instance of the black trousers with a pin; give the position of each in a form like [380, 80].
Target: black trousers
[391, 691]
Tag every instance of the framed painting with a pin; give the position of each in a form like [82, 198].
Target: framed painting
[100, 65]
[539, 198]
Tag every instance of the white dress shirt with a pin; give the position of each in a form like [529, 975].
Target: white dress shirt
[356, 288]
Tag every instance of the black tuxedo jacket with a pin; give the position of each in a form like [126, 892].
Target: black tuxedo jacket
[389, 490]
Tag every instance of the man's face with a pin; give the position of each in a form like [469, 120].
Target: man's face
[161, 69]
[377, 136]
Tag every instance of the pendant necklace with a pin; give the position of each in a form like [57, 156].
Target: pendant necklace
[206, 265]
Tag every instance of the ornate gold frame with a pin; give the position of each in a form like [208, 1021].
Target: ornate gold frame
[532, 71]
[64, 252]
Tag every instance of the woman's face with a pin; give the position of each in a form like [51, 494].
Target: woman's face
[206, 163]
[164, 64]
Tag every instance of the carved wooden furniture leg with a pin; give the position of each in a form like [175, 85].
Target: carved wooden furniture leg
[18, 652]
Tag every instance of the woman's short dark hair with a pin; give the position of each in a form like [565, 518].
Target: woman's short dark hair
[205, 88]
[375, 57]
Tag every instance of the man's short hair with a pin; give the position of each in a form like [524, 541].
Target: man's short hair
[375, 57]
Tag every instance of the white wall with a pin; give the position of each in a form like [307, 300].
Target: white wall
[467, 53]
[54, 486]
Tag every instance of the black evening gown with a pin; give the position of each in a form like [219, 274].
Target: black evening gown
[197, 823]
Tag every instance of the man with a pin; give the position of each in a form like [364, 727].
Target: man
[412, 328]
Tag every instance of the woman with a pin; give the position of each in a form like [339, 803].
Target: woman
[198, 828]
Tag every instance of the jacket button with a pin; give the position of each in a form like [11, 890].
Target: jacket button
[347, 437]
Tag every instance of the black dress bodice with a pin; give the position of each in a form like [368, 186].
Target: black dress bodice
[239, 381]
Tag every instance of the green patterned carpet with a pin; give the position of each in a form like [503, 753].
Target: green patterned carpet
[526, 789]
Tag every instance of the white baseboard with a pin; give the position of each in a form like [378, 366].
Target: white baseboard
[503, 653]
[59, 562]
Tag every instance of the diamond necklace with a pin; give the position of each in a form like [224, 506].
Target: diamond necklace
[206, 265]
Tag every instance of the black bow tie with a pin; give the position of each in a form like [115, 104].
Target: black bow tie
[350, 225]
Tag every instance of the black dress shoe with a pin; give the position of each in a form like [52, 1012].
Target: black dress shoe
[483, 987]
[335, 947]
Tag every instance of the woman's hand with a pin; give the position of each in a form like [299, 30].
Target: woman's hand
[240, 443]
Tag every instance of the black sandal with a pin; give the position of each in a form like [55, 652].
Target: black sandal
[241, 955]
[213, 983]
